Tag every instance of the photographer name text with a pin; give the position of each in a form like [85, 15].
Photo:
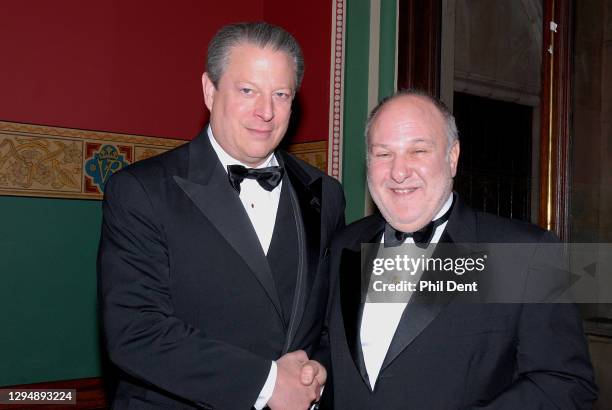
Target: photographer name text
[425, 286]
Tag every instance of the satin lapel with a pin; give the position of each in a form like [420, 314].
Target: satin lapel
[418, 314]
[424, 307]
[307, 208]
[207, 186]
[297, 309]
[353, 286]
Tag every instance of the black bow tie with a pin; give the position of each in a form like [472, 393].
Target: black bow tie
[268, 177]
[421, 238]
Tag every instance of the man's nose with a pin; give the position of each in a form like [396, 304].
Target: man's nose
[265, 108]
[401, 169]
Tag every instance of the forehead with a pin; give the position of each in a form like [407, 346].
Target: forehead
[408, 119]
[247, 57]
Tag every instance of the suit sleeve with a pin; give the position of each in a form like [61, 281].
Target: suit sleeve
[553, 366]
[143, 336]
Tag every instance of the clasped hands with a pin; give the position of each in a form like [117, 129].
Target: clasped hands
[299, 382]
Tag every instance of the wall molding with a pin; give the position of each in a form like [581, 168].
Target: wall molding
[55, 162]
[336, 94]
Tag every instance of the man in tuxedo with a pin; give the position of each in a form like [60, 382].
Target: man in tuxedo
[213, 257]
[438, 349]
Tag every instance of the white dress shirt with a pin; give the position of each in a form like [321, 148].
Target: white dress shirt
[379, 321]
[261, 207]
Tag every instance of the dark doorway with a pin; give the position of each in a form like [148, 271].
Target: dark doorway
[494, 171]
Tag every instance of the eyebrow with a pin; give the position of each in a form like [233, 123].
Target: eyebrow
[411, 142]
[241, 83]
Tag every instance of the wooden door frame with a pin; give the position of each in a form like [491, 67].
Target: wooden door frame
[556, 117]
[419, 51]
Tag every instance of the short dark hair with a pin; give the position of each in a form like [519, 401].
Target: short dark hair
[452, 134]
[260, 34]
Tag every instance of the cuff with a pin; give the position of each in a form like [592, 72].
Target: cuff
[268, 388]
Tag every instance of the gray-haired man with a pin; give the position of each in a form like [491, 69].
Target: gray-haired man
[212, 262]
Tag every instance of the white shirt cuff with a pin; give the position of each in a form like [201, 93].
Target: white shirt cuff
[315, 406]
[268, 388]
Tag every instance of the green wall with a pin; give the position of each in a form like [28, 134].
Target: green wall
[355, 105]
[48, 326]
[387, 81]
[356, 81]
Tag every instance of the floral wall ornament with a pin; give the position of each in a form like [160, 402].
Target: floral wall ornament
[104, 163]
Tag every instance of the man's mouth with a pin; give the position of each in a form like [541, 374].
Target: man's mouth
[263, 133]
[403, 191]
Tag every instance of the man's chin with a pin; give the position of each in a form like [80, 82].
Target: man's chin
[406, 223]
[257, 158]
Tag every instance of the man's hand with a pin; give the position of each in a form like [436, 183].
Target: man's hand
[313, 371]
[298, 382]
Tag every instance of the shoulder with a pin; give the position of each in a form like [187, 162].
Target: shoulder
[469, 225]
[330, 185]
[153, 169]
[147, 180]
[493, 228]
[308, 169]
[363, 230]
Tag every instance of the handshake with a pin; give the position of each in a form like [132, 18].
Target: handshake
[299, 382]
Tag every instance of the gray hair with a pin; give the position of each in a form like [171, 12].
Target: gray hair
[452, 134]
[260, 34]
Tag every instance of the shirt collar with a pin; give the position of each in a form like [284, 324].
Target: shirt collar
[226, 159]
[445, 207]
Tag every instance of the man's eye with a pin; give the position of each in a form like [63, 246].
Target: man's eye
[381, 154]
[282, 95]
[246, 91]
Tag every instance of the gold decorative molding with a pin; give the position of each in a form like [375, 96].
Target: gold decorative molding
[315, 153]
[54, 162]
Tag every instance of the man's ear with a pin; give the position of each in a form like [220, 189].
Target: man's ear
[209, 91]
[453, 157]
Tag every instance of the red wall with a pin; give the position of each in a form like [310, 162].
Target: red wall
[310, 23]
[135, 66]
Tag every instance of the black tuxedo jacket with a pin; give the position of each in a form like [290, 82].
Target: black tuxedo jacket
[450, 354]
[191, 313]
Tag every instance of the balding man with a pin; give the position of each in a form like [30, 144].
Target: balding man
[428, 350]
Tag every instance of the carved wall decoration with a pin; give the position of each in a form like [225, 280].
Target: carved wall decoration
[58, 162]
[54, 162]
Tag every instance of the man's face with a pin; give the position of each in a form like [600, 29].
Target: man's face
[409, 171]
[250, 108]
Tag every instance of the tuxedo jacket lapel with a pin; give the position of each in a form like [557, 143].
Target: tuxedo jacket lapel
[422, 309]
[306, 203]
[207, 186]
[418, 314]
[308, 194]
[425, 306]
[353, 287]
